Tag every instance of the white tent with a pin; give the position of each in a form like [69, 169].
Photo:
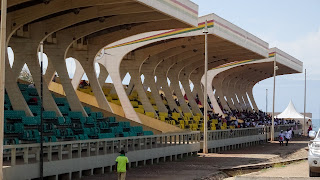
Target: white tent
[290, 113]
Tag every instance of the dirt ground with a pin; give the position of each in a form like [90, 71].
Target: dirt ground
[204, 165]
[299, 169]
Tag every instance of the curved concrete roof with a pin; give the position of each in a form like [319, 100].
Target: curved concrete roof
[65, 25]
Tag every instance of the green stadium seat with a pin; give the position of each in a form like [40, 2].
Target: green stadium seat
[147, 133]
[49, 115]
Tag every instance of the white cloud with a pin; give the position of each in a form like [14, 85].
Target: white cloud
[306, 49]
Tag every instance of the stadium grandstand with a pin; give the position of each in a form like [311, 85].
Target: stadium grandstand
[87, 122]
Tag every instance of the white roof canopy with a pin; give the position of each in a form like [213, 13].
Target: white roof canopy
[290, 113]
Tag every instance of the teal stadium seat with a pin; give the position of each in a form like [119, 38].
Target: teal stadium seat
[147, 133]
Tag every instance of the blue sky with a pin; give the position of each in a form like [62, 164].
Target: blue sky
[291, 25]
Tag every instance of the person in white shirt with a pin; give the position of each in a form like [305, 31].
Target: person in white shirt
[281, 138]
[287, 136]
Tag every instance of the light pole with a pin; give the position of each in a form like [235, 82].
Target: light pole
[3, 49]
[305, 102]
[266, 101]
[275, 68]
[41, 110]
[205, 131]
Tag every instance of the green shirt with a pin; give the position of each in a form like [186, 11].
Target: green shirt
[122, 162]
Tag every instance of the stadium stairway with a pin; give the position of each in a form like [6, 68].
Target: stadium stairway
[148, 123]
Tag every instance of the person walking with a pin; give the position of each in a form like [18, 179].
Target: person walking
[287, 136]
[281, 138]
[121, 164]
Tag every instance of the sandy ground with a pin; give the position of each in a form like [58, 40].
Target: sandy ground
[299, 169]
[204, 165]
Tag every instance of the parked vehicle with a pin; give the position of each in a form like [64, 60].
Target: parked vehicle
[314, 154]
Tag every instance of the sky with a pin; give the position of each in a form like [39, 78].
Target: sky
[291, 25]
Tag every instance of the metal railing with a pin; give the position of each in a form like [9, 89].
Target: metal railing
[234, 133]
[53, 151]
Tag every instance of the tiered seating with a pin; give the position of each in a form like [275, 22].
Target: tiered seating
[73, 125]
[187, 121]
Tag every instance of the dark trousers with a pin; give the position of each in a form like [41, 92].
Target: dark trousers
[287, 141]
[281, 143]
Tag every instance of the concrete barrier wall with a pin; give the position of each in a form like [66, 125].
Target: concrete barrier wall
[74, 158]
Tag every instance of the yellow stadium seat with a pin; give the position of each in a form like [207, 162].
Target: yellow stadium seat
[114, 96]
[181, 122]
[232, 127]
[134, 94]
[224, 124]
[135, 104]
[162, 118]
[131, 98]
[188, 115]
[117, 102]
[186, 122]
[155, 108]
[213, 128]
[152, 101]
[150, 114]
[196, 118]
[176, 115]
[106, 90]
[109, 98]
[163, 114]
[165, 102]
[139, 110]
[199, 114]
[223, 127]
[141, 106]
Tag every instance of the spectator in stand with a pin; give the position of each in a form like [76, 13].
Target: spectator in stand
[32, 86]
[33, 101]
[83, 84]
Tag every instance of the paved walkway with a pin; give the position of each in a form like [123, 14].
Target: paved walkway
[204, 165]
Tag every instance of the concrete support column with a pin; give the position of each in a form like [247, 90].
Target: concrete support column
[50, 72]
[34, 67]
[17, 100]
[252, 100]
[186, 86]
[59, 64]
[78, 74]
[213, 100]
[175, 87]
[18, 64]
[219, 92]
[130, 87]
[103, 75]
[122, 76]
[135, 78]
[149, 81]
[113, 66]
[94, 83]
[162, 82]
[198, 87]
